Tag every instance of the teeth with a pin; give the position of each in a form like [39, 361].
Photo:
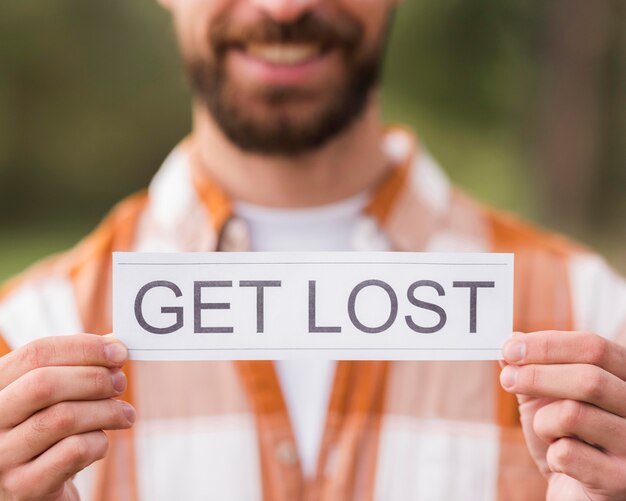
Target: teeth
[283, 53]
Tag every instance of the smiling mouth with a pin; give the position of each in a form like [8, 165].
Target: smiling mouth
[284, 54]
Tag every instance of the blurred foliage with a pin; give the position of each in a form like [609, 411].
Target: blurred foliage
[92, 98]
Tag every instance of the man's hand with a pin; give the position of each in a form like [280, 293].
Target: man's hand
[572, 394]
[55, 400]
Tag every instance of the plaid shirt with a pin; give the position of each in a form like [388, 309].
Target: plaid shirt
[394, 431]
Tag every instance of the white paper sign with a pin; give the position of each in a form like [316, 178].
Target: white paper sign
[330, 305]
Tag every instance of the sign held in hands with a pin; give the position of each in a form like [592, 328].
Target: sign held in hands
[330, 305]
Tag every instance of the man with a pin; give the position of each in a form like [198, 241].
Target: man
[288, 153]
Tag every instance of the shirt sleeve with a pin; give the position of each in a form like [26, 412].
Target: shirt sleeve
[598, 297]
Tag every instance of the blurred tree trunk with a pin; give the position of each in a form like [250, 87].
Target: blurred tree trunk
[580, 134]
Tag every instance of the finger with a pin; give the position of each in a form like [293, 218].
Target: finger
[593, 468]
[81, 349]
[586, 383]
[55, 423]
[553, 347]
[44, 477]
[41, 388]
[569, 418]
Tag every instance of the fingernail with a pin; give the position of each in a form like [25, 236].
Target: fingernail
[115, 352]
[129, 412]
[514, 351]
[508, 376]
[119, 381]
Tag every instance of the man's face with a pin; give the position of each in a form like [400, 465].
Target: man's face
[281, 77]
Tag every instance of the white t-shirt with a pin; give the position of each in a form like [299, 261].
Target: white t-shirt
[306, 384]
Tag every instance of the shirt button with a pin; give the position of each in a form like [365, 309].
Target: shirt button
[286, 453]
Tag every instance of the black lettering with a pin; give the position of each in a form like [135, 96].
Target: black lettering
[177, 310]
[393, 313]
[199, 306]
[260, 298]
[473, 287]
[426, 306]
[312, 312]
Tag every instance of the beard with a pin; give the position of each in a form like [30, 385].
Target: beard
[278, 131]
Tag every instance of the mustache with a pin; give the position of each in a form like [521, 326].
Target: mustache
[343, 33]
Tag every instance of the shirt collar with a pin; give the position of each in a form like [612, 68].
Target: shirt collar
[189, 211]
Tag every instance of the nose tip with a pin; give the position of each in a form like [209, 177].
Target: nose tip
[284, 11]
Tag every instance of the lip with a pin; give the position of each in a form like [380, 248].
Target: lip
[258, 70]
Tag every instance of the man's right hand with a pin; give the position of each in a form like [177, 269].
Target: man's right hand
[56, 398]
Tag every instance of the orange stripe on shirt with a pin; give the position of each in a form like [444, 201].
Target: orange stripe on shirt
[214, 199]
[5, 349]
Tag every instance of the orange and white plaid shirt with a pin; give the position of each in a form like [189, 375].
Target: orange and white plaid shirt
[394, 431]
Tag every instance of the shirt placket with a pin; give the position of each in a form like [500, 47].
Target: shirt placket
[347, 458]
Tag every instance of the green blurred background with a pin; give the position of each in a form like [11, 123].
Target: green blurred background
[522, 101]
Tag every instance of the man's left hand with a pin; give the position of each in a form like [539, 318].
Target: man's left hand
[571, 388]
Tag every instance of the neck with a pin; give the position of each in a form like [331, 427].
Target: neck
[348, 164]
